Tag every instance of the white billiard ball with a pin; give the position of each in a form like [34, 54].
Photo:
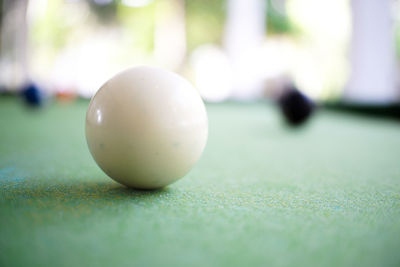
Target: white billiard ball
[146, 127]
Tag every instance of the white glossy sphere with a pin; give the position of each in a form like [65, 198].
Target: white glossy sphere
[146, 127]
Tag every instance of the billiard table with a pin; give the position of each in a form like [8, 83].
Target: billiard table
[263, 194]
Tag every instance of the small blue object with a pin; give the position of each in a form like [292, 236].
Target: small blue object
[32, 95]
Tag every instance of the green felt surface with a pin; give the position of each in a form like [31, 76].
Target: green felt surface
[262, 195]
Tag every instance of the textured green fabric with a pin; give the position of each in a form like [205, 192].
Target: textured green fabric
[262, 194]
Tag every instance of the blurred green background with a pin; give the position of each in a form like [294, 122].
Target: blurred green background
[225, 49]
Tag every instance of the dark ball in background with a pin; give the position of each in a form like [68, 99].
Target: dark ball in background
[32, 95]
[295, 106]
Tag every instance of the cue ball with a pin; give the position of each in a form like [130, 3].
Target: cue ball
[146, 127]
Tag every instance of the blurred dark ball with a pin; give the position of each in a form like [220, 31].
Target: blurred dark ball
[295, 106]
[32, 95]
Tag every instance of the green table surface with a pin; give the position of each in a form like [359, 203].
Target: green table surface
[327, 194]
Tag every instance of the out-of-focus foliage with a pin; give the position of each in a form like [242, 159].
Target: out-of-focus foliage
[204, 21]
[52, 30]
[105, 13]
[138, 25]
[397, 39]
[277, 20]
[121, 32]
[63, 23]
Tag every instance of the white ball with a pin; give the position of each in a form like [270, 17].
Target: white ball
[146, 127]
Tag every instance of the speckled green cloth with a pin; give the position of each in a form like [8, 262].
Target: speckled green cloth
[262, 195]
